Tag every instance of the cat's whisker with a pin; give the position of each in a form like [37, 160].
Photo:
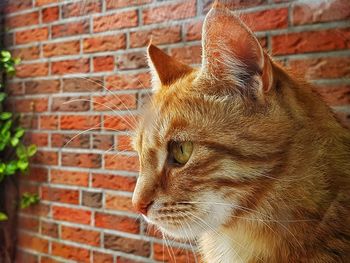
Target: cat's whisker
[249, 210]
[113, 94]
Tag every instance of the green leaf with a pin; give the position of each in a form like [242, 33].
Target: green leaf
[19, 132]
[17, 61]
[28, 199]
[2, 95]
[2, 167]
[3, 217]
[22, 164]
[6, 127]
[5, 115]
[21, 151]
[5, 54]
[31, 150]
[11, 168]
[14, 141]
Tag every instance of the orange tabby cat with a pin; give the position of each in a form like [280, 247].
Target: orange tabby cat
[242, 155]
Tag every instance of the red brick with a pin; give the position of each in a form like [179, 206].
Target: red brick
[114, 182]
[127, 260]
[29, 121]
[27, 53]
[38, 210]
[132, 60]
[70, 140]
[46, 157]
[45, 259]
[28, 223]
[70, 252]
[335, 95]
[114, 102]
[234, 5]
[102, 142]
[267, 19]
[119, 123]
[188, 54]
[322, 68]
[104, 63]
[60, 195]
[320, 11]
[61, 48]
[70, 29]
[50, 14]
[34, 243]
[80, 103]
[118, 202]
[81, 8]
[80, 235]
[121, 162]
[124, 143]
[99, 257]
[37, 138]
[194, 31]
[32, 70]
[82, 84]
[74, 215]
[70, 66]
[23, 256]
[184, 9]
[31, 35]
[79, 122]
[42, 86]
[49, 229]
[27, 19]
[116, 222]
[45, 2]
[115, 21]
[114, 4]
[69, 177]
[104, 43]
[128, 81]
[159, 36]
[49, 122]
[31, 105]
[173, 254]
[15, 88]
[313, 41]
[85, 160]
[15, 6]
[127, 245]
[38, 174]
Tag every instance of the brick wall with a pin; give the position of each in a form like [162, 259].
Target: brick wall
[84, 69]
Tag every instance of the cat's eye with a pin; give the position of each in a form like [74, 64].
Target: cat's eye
[181, 151]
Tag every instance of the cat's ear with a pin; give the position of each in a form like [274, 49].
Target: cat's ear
[164, 68]
[232, 52]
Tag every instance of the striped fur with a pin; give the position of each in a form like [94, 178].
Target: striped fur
[268, 179]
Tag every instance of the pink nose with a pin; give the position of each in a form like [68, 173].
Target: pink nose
[142, 207]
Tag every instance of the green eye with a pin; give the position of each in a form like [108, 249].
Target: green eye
[181, 151]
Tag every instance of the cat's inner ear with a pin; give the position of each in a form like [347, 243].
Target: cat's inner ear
[164, 68]
[232, 52]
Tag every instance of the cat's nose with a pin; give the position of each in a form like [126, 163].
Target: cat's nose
[143, 206]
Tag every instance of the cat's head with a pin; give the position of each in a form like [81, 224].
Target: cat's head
[207, 140]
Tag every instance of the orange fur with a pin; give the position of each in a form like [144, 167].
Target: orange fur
[268, 179]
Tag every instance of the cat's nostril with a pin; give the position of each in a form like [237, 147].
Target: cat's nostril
[143, 207]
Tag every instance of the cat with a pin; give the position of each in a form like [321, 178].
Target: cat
[241, 155]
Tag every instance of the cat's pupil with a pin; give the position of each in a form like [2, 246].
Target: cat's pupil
[182, 151]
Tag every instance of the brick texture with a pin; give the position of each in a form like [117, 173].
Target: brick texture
[84, 78]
